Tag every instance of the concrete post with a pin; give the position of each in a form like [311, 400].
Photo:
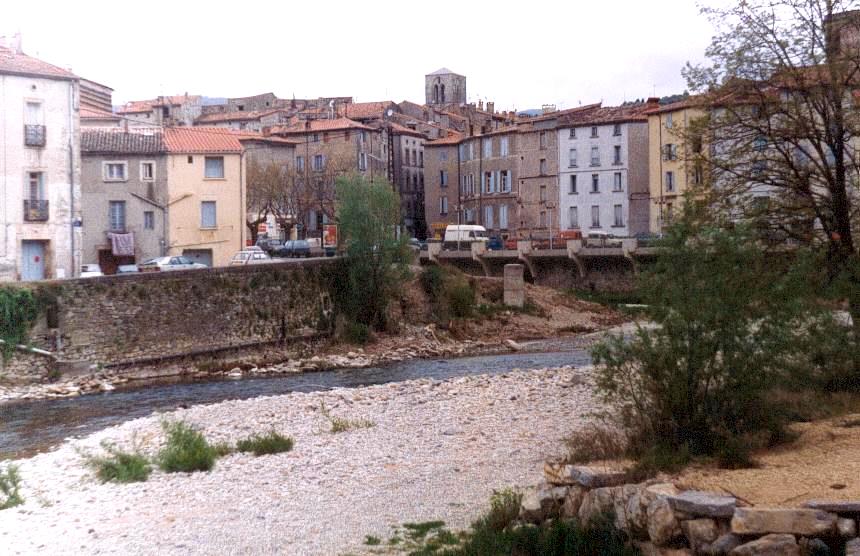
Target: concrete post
[515, 286]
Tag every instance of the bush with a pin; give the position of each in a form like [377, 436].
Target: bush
[504, 510]
[461, 299]
[119, 466]
[270, 443]
[357, 333]
[186, 450]
[432, 280]
[451, 293]
[339, 424]
[594, 443]
[19, 309]
[10, 484]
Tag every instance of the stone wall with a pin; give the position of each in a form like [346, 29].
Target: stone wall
[117, 321]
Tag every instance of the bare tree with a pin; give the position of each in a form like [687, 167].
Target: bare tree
[780, 97]
[264, 183]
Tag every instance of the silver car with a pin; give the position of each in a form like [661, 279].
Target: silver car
[250, 256]
[170, 263]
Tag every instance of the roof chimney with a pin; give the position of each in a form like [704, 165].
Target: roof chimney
[491, 107]
[652, 102]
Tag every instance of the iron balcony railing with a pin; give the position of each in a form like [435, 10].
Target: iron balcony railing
[36, 210]
[34, 135]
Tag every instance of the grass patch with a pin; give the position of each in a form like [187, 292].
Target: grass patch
[186, 451]
[223, 449]
[269, 443]
[10, 484]
[594, 443]
[340, 424]
[609, 299]
[119, 466]
[370, 540]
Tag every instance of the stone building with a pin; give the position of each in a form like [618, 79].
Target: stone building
[124, 189]
[408, 176]
[441, 190]
[257, 120]
[97, 105]
[178, 110]
[603, 170]
[444, 87]
[41, 205]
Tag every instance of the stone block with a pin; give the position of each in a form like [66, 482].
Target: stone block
[573, 501]
[700, 532]
[835, 506]
[663, 527]
[542, 503]
[597, 503]
[846, 527]
[760, 521]
[514, 284]
[852, 547]
[770, 545]
[589, 477]
[703, 504]
[723, 545]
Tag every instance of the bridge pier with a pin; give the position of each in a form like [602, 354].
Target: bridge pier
[573, 248]
[479, 249]
[524, 250]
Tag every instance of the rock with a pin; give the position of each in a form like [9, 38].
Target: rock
[723, 545]
[700, 532]
[663, 527]
[852, 547]
[770, 545]
[703, 504]
[513, 346]
[758, 521]
[573, 501]
[589, 477]
[597, 503]
[846, 527]
[835, 506]
[813, 547]
[542, 503]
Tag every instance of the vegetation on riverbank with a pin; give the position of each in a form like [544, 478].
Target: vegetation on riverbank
[10, 484]
[119, 466]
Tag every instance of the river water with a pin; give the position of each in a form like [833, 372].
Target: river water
[29, 427]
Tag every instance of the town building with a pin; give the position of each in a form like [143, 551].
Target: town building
[407, 152]
[257, 120]
[124, 188]
[178, 110]
[40, 208]
[96, 108]
[603, 170]
[442, 195]
[444, 87]
[270, 178]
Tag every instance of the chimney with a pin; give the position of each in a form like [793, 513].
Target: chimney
[491, 106]
[480, 104]
[652, 102]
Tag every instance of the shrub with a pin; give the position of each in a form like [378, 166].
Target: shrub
[270, 443]
[504, 510]
[461, 299]
[19, 309]
[357, 333]
[120, 466]
[432, 280]
[339, 424]
[186, 450]
[10, 484]
[595, 443]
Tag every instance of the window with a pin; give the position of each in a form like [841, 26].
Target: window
[148, 220]
[670, 182]
[572, 190]
[616, 131]
[760, 143]
[543, 139]
[616, 182]
[670, 213]
[443, 178]
[543, 193]
[503, 217]
[595, 216]
[670, 151]
[214, 168]
[488, 216]
[115, 171]
[595, 156]
[207, 215]
[443, 155]
[34, 125]
[190, 159]
[595, 183]
[147, 171]
[488, 148]
[116, 216]
[572, 218]
[36, 182]
[542, 221]
[594, 131]
[421, 159]
[506, 181]
[363, 136]
[619, 216]
[616, 157]
[362, 161]
[300, 163]
[443, 206]
[572, 158]
[414, 158]
[543, 166]
[489, 182]
[319, 162]
[315, 138]
[669, 123]
[573, 133]
[503, 146]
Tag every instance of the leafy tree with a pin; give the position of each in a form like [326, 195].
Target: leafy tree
[368, 214]
[780, 91]
[19, 309]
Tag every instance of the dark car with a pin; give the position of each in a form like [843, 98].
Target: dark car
[269, 245]
[495, 244]
[293, 248]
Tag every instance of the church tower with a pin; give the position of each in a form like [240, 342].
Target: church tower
[444, 87]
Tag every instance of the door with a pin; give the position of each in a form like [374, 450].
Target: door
[32, 260]
[199, 256]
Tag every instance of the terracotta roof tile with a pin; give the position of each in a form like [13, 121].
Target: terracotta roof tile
[139, 106]
[451, 139]
[15, 63]
[238, 116]
[398, 129]
[606, 115]
[201, 140]
[315, 126]
[366, 110]
[96, 114]
[118, 141]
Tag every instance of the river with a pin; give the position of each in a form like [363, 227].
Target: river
[29, 427]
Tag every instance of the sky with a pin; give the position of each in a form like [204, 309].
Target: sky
[519, 55]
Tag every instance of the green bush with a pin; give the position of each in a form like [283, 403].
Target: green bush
[432, 280]
[357, 333]
[10, 484]
[19, 309]
[269, 443]
[186, 450]
[120, 466]
[461, 298]
[451, 294]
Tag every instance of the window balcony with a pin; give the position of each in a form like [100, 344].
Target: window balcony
[35, 210]
[34, 135]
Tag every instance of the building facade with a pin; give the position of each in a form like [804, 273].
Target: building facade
[444, 87]
[407, 152]
[40, 235]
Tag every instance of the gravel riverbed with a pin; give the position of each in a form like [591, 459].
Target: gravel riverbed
[437, 451]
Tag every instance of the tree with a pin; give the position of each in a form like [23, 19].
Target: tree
[781, 91]
[265, 183]
[368, 214]
[316, 189]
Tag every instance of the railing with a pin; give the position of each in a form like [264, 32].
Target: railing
[35, 210]
[34, 135]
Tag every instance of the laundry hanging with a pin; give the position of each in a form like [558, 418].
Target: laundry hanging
[122, 245]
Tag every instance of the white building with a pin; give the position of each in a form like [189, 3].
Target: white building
[603, 171]
[40, 235]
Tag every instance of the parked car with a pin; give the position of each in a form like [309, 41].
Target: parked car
[250, 256]
[495, 244]
[465, 233]
[91, 270]
[269, 245]
[294, 248]
[170, 263]
[127, 269]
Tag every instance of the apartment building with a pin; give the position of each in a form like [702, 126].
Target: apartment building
[40, 213]
[603, 170]
[177, 110]
[442, 196]
[256, 120]
[408, 176]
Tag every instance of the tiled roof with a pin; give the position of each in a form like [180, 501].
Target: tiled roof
[251, 136]
[201, 140]
[451, 139]
[398, 129]
[14, 63]
[315, 126]
[366, 110]
[117, 141]
[671, 107]
[443, 71]
[136, 107]
[95, 114]
[607, 115]
[238, 116]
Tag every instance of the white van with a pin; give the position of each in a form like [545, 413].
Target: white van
[465, 234]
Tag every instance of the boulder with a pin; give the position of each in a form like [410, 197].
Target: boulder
[513, 346]
[760, 521]
[846, 527]
[663, 527]
[835, 506]
[813, 547]
[852, 547]
[589, 477]
[542, 503]
[770, 545]
[597, 503]
[700, 532]
[723, 545]
[573, 501]
[703, 504]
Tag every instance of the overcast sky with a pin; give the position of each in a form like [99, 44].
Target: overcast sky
[520, 55]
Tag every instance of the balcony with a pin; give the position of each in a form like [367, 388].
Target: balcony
[35, 210]
[34, 135]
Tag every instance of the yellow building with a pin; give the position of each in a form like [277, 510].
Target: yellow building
[674, 162]
[206, 194]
